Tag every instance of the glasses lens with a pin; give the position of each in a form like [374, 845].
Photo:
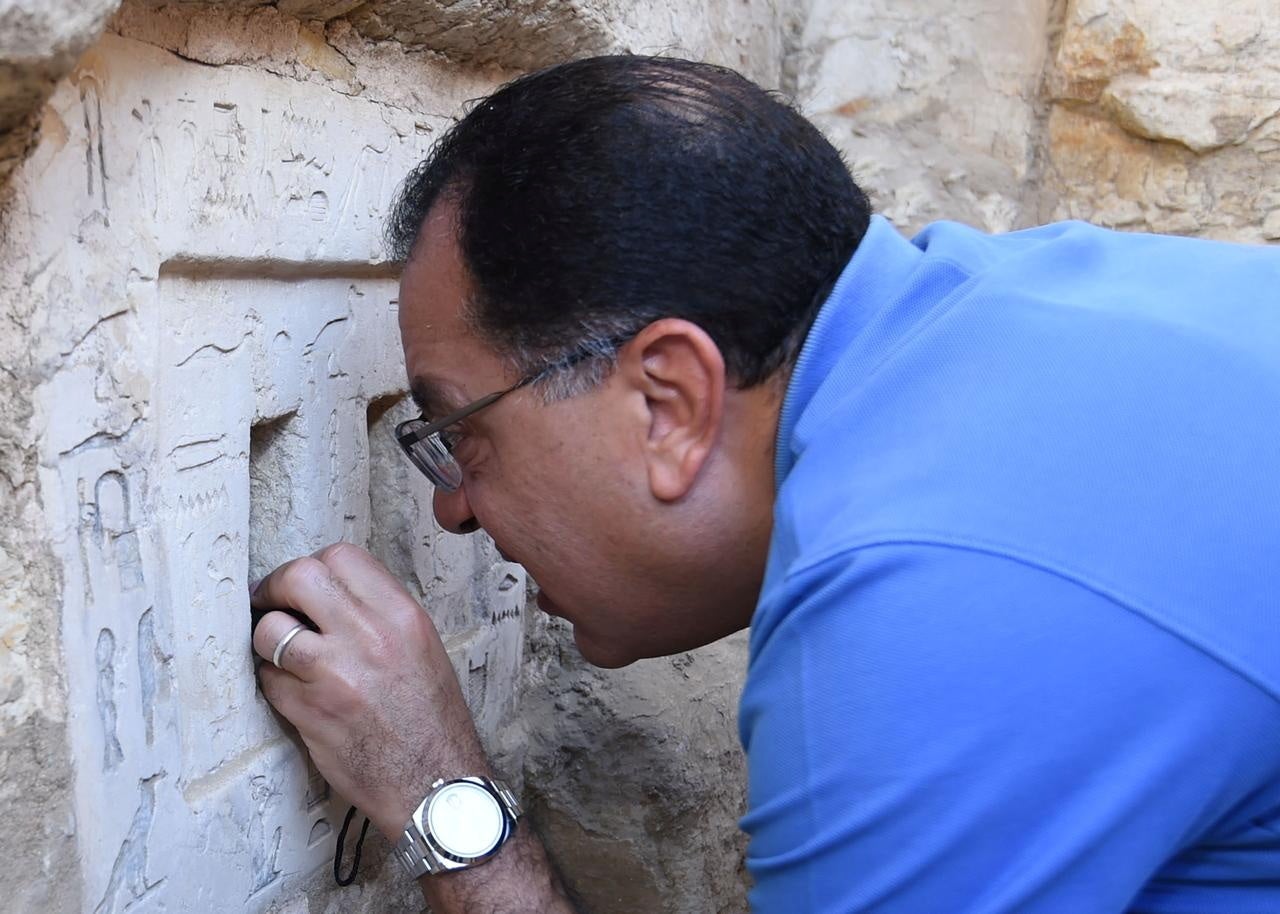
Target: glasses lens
[430, 455]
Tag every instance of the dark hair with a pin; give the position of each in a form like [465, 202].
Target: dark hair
[597, 196]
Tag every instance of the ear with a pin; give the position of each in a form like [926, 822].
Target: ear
[680, 372]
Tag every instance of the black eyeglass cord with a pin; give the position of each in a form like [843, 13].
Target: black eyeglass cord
[342, 839]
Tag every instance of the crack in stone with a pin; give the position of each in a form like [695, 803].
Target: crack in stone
[78, 342]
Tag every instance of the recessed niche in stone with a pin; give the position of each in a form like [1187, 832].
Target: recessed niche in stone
[276, 451]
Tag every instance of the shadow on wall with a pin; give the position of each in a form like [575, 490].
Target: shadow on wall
[276, 454]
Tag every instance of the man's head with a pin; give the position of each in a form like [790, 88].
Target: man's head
[654, 237]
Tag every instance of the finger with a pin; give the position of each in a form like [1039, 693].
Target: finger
[284, 691]
[300, 656]
[306, 585]
[256, 615]
[292, 699]
[366, 579]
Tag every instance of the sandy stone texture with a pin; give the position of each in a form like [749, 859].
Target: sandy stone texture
[636, 777]
[933, 104]
[39, 41]
[1164, 117]
[522, 34]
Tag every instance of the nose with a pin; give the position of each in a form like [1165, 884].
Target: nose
[453, 511]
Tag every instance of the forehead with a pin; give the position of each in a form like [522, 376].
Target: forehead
[446, 363]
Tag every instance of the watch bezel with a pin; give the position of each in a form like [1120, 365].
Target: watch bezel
[420, 852]
[446, 857]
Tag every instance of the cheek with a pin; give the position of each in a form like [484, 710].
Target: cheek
[527, 522]
[514, 509]
[555, 497]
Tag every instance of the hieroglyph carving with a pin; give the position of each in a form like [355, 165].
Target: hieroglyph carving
[224, 304]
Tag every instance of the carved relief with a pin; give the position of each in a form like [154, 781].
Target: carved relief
[317, 787]
[264, 841]
[249, 360]
[115, 529]
[153, 673]
[129, 872]
[95, 160]
[149, 163]
[106, 657]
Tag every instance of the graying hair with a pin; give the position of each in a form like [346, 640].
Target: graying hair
[586, 367]
[585, 364]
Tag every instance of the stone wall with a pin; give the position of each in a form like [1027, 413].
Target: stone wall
[1165, 117]
[636, 777]
[199, 369]
[39, 44]
[200, 374]
[934, 104]
[213, 368]
[1136, 114]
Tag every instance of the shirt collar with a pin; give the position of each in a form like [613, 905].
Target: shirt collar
[876, 274]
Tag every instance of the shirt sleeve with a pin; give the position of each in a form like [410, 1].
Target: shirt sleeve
[937, 729]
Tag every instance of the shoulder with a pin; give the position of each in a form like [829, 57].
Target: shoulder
[948, 709]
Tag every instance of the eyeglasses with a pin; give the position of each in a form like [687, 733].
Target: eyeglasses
[429, 444]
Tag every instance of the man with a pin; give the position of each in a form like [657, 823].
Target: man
[1002, 512]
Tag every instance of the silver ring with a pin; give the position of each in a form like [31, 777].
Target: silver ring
[283, 643]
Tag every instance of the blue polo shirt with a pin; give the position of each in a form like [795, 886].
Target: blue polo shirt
[1018, 644]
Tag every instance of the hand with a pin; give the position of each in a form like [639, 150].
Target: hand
[372, 692]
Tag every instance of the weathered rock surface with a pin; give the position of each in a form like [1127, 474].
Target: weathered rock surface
[521, 34]
[635, 777]
[1165, 117]
[932, 103]
[200, 371]
[40, 41]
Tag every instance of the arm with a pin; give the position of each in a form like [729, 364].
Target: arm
[374, 697]
[519, 879]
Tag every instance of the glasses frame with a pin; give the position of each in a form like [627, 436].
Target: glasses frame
[408, 437]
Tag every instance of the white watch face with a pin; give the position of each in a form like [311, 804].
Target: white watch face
[465, 819]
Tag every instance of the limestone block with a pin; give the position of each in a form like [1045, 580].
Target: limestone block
[39, 43]
[522, 34]
[512, 33]
[317, 9]
[750, 36]
[1203, 113]
[931, 103]
[1178, 102]
[226, 34]
[211, 341]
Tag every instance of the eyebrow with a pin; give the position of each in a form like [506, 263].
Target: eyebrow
[434, 398]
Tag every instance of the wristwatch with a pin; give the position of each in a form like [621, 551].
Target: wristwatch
[461, 824]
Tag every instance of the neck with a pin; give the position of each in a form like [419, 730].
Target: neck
[751, 425]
